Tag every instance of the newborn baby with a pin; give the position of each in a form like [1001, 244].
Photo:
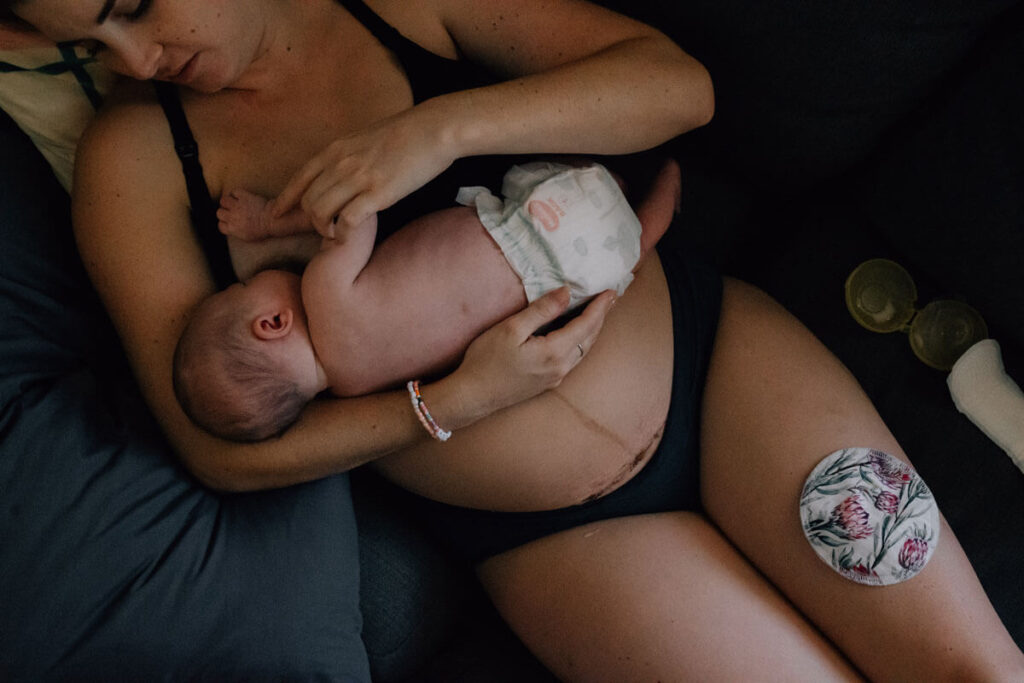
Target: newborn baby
[360, 319]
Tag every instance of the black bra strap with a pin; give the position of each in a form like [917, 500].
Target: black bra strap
[384, 32]
[204, 212]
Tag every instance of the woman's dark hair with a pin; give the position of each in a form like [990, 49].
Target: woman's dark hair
[7, 10]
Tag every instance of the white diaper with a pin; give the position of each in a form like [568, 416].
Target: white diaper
[561, 225]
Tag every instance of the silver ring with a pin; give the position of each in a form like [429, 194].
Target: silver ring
[580, 347]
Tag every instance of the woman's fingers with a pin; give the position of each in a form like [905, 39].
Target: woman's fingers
[539, 313]
[575, 339]
[358, 210]
[338, 210]
[508, 363]
[293, 192]
[331, 194]
[322, 203]
[555, 354]
[364, 172]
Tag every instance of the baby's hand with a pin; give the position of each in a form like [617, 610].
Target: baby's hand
[242, 214]
[248, 217]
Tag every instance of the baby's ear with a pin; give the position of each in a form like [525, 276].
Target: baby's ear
[273, 324]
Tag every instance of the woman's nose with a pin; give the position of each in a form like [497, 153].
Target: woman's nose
[140, 60]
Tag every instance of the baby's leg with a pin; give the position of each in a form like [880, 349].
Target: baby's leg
[245, 215]
[657, 208]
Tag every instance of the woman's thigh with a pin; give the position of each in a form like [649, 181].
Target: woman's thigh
[654, 597]
[776, 402]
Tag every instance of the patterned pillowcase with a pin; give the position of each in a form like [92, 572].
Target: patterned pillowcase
[52, 92]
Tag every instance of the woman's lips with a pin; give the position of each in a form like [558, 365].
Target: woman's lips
[184, 73]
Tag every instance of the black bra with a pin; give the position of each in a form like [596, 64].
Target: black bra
[204, 209]
[428, 74]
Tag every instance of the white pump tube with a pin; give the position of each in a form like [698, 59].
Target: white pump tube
[983, 392]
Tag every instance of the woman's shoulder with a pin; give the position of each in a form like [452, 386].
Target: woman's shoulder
[131, 103]
[421, 22]
[129, 129]
[126, 168]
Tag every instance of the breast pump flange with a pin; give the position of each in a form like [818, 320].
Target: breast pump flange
[947, 335]
[882, 297]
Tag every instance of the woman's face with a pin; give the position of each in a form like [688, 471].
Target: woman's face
[203, 44]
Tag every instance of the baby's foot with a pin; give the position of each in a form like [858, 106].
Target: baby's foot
[657, 208]
[243, 215]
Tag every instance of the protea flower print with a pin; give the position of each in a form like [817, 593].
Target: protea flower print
[887, 502]
[913, 554]
[891, 471]
[869, 516]
[852, 518]
[861, 574]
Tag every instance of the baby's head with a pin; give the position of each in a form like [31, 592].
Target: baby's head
[244, 366]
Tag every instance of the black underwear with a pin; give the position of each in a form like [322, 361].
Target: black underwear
[671, 478]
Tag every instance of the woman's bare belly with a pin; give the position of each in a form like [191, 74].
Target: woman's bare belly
[574, 443]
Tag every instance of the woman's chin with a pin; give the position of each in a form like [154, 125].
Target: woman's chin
[205, 74]
[206, 89]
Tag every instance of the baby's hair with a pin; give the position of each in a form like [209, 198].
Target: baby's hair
[248, 399]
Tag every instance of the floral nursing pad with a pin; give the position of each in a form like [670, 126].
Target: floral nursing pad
[869, 516]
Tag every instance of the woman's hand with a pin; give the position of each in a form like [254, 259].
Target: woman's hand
[367, 171]
[510, 363]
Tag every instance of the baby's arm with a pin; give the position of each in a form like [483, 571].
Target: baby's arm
[348, 258]
[245, 215]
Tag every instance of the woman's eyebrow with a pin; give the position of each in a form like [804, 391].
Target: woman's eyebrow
[108, 7]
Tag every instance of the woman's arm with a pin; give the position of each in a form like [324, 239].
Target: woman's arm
[583, 80]
[139, 249]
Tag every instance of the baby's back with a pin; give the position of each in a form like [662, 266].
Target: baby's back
[425, 294]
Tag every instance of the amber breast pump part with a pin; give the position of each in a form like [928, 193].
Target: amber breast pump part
[882, 297]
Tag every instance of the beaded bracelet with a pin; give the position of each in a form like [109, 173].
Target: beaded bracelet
[419, 406]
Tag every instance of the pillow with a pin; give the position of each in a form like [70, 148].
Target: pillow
[115, 564]
[52, 92]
